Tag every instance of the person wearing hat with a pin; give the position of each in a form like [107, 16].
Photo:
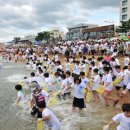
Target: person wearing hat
[38, 95]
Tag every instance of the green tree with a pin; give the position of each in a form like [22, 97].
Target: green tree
[124, 28]
[43, 36]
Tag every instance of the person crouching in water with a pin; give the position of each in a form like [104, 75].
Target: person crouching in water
[38, 95]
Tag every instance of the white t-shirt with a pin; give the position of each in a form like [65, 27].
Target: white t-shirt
[107, 79]
[79, 90]
[20, 95]
[128, 86]
[53, 121]
[123, 120]
[34, 66]
[126, 77]
[48, 81]
[126, 61]
[76, 69]
[120, 75]
[85, 81]
[56, 58]
[65, 85]
[96, 82]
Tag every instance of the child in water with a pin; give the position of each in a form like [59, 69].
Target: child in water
[20, 95]
[78, 101]
[48, 117]
[123, 119]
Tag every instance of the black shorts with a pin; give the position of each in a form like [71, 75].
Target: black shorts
[118, 88]
[124, 87]
[78, 103]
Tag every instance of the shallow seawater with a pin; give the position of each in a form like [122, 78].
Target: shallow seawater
[15, 118]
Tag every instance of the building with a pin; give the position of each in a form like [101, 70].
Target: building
[57, 34]
[99, 32]
[76, 32]
[124, 10]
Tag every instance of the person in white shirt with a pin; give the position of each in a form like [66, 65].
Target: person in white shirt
[100, 66]
[77, 68]
[93, 67]
[120, 76]
[126, 60]
[107, 81]
[123, 119]
[85, 81]
[20, 95]
[49, 117]
[78, 101]
[126, 76]
[33, 78]
[34, 66]
[56, 58]
[126, 93]
[96, 82]
[65, 87]
[48, 82]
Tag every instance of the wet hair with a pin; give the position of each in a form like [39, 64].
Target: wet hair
[57, 74]
[125, 67]
[83, 62]
[58, 62]
[41, 104]
[126, 107]
[40, 70]
[77, 78]
[46, 75]
[117, 67]
[45, 67]
[95, 70]
[68, 73]
[32, 74]
[113, 59]
[18, 87]
[82, 74]
[93, 63]
[77, 62]
[104, 62]
[84, 57]
[63, 76]
[106, 69]
[89, 59]
[100, 58]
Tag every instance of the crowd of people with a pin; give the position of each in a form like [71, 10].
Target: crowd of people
[85, 72]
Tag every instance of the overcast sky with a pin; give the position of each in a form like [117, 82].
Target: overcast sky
[27, 17]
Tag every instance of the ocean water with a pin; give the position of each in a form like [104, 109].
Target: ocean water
[15, 118]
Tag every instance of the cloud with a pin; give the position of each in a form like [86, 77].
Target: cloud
[22, 17]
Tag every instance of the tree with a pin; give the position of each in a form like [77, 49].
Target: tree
[43, 36]
[124, 28]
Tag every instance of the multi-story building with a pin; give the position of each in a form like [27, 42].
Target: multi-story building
[99, 32]
[76, 32]
[124, 10]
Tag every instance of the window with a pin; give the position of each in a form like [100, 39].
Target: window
[125, 2]
[124, 17]
[124, 10]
